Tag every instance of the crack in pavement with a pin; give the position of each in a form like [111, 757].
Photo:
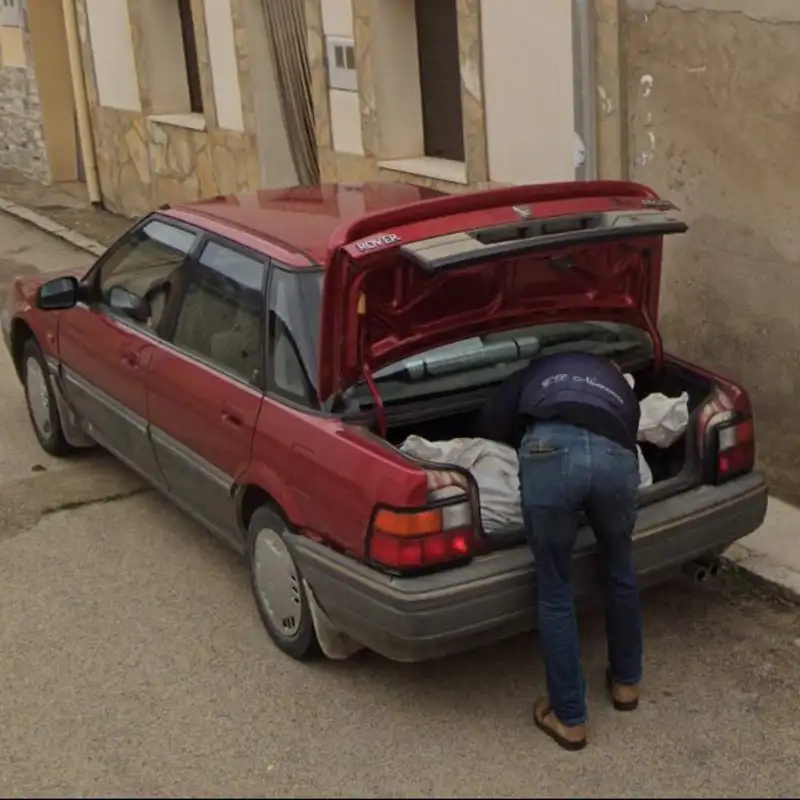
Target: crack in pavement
[72, 505]
[90, 480]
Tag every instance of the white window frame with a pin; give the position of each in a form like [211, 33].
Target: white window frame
[340, 54]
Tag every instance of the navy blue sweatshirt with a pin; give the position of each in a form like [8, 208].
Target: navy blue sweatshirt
[583, 390]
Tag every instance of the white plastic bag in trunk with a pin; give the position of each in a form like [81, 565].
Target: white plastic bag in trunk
[645, 473]
[495, 468]
[664, 419]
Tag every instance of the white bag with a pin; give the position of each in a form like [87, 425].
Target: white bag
[645, 473]
[663, 419]
[495, 468]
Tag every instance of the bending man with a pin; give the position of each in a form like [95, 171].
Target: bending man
[574, 418]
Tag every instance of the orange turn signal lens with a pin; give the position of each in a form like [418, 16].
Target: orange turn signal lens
[419, 523]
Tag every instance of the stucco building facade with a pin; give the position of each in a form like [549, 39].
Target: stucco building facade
[453, 93]
[177, 100]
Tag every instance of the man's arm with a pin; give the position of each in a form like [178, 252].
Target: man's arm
[499, 420]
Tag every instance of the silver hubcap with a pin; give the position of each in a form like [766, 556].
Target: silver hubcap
[277, 582]
[38, 397]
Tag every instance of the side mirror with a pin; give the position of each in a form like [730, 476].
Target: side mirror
[133, 306]
[58, 294]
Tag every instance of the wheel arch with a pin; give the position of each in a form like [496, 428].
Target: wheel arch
[251, 495]
[21, 332]
[259, 487]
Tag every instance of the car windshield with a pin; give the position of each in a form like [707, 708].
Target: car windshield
[477, 361]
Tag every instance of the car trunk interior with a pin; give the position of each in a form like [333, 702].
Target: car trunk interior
[675, 469]
[666, 464]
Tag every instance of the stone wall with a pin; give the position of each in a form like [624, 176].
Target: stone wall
[22, 145]
[714, 125]
[144, 163]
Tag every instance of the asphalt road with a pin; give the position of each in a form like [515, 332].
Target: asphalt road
[132, 663]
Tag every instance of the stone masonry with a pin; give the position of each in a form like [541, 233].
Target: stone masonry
[22, 145]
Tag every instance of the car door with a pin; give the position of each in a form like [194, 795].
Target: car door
[204, 390]
[106, 344]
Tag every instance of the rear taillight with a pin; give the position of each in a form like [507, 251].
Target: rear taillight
[734, 448]
[442, 532]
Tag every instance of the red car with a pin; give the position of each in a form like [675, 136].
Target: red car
[259, 358]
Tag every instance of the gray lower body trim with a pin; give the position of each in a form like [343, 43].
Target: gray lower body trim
[192, 483]
[491, 598]
[71, 423]
[192, 479]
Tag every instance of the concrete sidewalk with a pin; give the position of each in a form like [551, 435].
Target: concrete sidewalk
[62, 209]
[771, 555]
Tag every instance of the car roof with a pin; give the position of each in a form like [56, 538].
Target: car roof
[300, 221]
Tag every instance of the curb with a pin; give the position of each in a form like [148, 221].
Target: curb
[755, 565]
[764, 571]
[53, 228]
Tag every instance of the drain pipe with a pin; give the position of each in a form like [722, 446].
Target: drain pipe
[81, 102]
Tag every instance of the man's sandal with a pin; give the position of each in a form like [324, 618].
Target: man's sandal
[623, 698]
[570, 737]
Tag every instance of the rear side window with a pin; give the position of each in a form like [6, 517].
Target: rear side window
[221, 318]
[293, 330]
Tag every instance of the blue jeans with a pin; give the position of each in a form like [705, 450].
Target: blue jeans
[564, 470]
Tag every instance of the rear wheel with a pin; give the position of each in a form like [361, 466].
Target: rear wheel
[41, 401]
[278, 587]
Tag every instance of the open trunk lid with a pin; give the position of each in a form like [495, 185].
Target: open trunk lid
[424, 275]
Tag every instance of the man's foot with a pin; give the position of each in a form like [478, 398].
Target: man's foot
[570, 737]
[623, 698]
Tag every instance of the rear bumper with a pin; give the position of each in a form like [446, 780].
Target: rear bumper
[491, 598]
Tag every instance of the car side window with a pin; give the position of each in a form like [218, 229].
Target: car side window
[221, 318]
[294, 308]
[136, 280]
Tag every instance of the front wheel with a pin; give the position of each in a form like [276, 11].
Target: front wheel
[41, 401]
[278, 587]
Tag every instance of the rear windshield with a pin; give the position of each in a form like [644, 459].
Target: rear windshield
[478, 361]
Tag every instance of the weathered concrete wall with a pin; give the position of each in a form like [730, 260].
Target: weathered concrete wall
[714, 125]
[22, 145]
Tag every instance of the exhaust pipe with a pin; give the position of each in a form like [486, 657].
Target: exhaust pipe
[696, 571]
[713, 565]
[702, 568]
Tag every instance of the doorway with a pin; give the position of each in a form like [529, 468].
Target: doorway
[53, 77]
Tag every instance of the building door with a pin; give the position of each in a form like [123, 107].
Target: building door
[440, 78]
[53, 77]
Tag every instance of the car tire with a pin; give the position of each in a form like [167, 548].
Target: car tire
[41, 401]
[277, 586]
